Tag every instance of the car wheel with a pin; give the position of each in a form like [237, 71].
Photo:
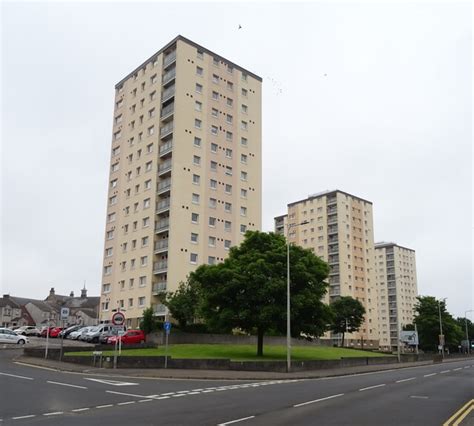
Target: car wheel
[141, 342]
[24, 333]
[21, 342]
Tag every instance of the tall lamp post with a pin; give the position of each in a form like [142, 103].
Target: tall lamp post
[288, 310]
[441, 337]
[467, 333]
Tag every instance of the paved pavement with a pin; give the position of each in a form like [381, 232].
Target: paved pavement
[427, 395]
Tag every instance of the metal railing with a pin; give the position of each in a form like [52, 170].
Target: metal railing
[169, 76]
[163, 205]
[161, 245]
[164, 185]
[167, 110]
[166, 129]
[162, 224]
[164, 167]
[159, 309]
[160, 266]
[159, 287]
[170, 58]
[167, 147]
[168, 93]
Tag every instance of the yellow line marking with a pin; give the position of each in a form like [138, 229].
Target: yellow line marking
[460, 419]
[458, 413]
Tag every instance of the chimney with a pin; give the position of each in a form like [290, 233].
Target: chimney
[6, 296]
[51, 292]
[84, 293]
[71, 294]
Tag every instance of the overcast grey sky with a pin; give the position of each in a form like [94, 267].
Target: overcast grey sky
[375, 100]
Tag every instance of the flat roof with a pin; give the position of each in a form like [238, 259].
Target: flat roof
[328, 193]
[197, 46]
[383, 244]
[280, 217]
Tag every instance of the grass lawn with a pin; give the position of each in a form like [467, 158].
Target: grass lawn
[242, 352]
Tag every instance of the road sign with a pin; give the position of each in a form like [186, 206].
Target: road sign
[64, 313]
[118, 318]
[167, 327]
[409, 337]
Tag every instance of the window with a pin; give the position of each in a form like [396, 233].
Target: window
[230, 102]
[215, 62]
[111, 217]
[117, 135]
[114, 167]
[145, 222]
[113, 200]
[243, 158]
[212, 241]
[143, 261]
[196, 160]
[213, 184]
[107, 270]
[106, 288]
[230, 69]
[200, 54]
[146, 203]
[212, 222]
[214, 147]
[228, 188]
[244, 125]
[130, 303]
[109, 251]
[193, 258]
[199, 71]
[194, 237]
[197, 123]
[105, 306]
[213, 166]
[116, 151]
[243, 176]
[227, 226]
[196, 179]
[228, 118]
[228, 153]
[145, 241]
[195, 198]
[228, 170]
[211, 260]
[214, 112]
[151, 113]
[151, 130]
[229, 136]
[198, 106]
[230, 85]
[215, 95]
[227, 244]
[243, 211]
[148, 184]
[244, 109]
[148, 167]
[228, 207]
[149, 148]
[194, 218]
[212, 203]
[215, 78]
[244, 92]
[198, 88]
[131, 282]
[153, 79]
[243, 141]
[197, 141]
[243, 229]
[214, 130]
[141, 301]
[142, 281]
[152, 96]
[243, 193]
[244, 77]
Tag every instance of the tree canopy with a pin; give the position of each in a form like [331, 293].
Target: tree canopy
[248, 289]
[348, 315]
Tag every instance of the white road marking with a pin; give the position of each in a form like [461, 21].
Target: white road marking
[18, 377]
[66, 384]
[126, 403]
[78, 410]
[164, 397]
[145, 400]
[23, 417]
[405, 380]
[35, 366]
[467, 366]
[431, 374]
[236, 421]
[419, 397]
[127, 394]
[112, 382]
[208, 390]
[194, 393]
[197, 390]
[457, 369]
[318, 400]
[169, 393]
[371, 387]
[55, 413]
[185, 391]
[178, 395]
[445, 371]
[104, 406]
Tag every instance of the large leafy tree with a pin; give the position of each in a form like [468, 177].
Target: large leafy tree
[183, 303]
[148, 322]
[348, 315]
[427, 322]
[248, 289]
[461, 321]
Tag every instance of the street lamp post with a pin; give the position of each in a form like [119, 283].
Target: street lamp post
[441, 337]
[467, 333]
[288, 309]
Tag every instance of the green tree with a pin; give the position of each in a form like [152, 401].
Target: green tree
[427, 321]
[461, 321]
[348, 315]
[183, 303]
[148, 322]
[248, 290]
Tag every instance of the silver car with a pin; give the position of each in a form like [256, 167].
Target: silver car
[28, 330]
[9, 336]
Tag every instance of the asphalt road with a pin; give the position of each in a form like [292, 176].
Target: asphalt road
[426, 395]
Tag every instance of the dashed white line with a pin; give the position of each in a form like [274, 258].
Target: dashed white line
[104, 406]
[194, 393]
[18, 377]
[318, 400]
[419, 397]
[236, 421]
[164, 397]
[457, 369]
[126, 403]
[178, 395]
[197, 390]
[145, 400]
[445, 371]
[467, 366]
[169, 393]
[54, 413]
[431, 374]
[208, 390]
[66, 384]
[185, 391]
[78, 410]
[127, 394]
[405, 380]
[371, 387]
[24, 417]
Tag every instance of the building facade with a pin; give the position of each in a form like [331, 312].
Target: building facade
[185, 173]
[396, 289]
[338, 227]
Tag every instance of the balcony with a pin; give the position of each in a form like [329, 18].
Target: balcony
[333, 239]
[159, 288]
[332, 230]
[332, 200]
[159, 309]
[162, 225]
[160, 267]
[166, 148]
[334, 280]
[161, 246]
[170, 75]
[164, 167]
[333, 249]
[166, 130]
[332, 219]
[169, 59]
[167, 94]
[167, 111]
[332, 210]
[334, 270]
[164, 186]
[334, 291]
[333, 259]
[163, 206]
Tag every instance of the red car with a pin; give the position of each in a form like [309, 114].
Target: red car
[130, 337]
[55, 331]
[45, 330]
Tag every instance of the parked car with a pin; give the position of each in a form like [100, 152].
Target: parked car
[130, 337]
[75, 335]
[55, 332]
[45, 330]
[93, 335]
[27, 330]
[65, 332]
[114, 331]
[9, 336]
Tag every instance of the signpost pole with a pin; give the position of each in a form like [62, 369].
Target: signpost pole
[167, 327]
[416, 347]
[47, 340]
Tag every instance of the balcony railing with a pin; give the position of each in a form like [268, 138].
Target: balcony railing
[169, 76]
[332, 230]
[167, 94]
[332, 210]
[332, 200]
[166, 148]
[162, 225]
[332, 219]
[166, 130]
[164, 185]
[159, 287]
[163, 205]
[164, 167]
[333, 259]
[160, 266]
[161, 245]
[333, 249]
[167, 110]
[159, 309]
[169, 59]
